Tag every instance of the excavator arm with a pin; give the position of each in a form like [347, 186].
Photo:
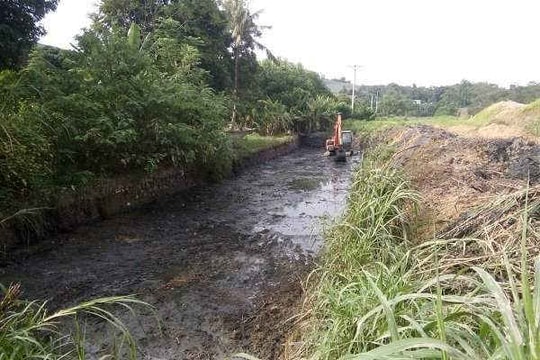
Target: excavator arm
[341, 141]
[334, 143]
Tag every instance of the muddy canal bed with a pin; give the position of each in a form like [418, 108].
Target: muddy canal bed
[222, 264]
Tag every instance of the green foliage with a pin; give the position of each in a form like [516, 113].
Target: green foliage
[372, 233]
[115, 105]
[244, 33]
[395, 103]
[26, 155]
[464, 98]
[20, 29]
[158, 113]
[250, 144]
[290, 84]
[300, 93]
[376, 296]
[363, 112]
[123, 13]
[272, 117]
[319, 114]
[29, 331]
[139, 92]
[198, 23]
[207, 27]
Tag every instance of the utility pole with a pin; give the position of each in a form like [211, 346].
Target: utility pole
[355, 67]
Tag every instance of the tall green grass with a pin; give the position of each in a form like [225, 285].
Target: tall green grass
[365, 127]
[250, 144]
[376, 296]
[365, 260]
[29, 331]
[370, 126]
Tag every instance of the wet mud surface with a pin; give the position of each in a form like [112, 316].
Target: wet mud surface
[222, 264]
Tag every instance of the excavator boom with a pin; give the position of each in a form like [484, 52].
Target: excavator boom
[341, 141]
[337, 132]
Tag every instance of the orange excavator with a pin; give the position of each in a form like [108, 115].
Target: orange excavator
[340, 144]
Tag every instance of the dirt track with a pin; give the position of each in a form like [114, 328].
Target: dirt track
[221, 264]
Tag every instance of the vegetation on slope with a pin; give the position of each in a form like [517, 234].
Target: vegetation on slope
[250, 144]
[500, 120]
[386, 290]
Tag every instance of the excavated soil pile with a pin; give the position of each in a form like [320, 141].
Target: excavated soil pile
[456, 174]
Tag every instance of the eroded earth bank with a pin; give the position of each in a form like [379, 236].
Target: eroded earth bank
[222, 264]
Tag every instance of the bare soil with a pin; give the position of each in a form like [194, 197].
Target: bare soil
[455, 174]
[222, 265]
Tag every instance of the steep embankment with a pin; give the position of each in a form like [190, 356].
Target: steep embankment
[455, 173]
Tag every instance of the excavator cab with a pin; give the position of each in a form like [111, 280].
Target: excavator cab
[347, 140]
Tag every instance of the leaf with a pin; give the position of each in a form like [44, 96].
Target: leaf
[394, 350]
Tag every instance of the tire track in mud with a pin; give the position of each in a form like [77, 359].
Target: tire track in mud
[222, 264]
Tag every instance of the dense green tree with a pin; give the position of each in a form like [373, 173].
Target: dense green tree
[302, 92]
[123, 13]
[199, 23]
[20, 29]
[395, 102]
[444, 100]
[524, 94]
[112, 106]
[289, 83]
[272, 117]
[207, 26]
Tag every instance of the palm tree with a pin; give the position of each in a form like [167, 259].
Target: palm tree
[244, 33]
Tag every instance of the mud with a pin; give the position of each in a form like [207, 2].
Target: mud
[222, 264]
[107, 197]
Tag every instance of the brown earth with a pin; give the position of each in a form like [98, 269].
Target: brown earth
[492, 131]
[471, 188]
[455, 173]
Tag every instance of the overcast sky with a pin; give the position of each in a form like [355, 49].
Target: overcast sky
[427, 42]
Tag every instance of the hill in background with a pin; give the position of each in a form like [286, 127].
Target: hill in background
[337, 86]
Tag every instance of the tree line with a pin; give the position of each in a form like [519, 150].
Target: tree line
[465, 98]
[149, 84]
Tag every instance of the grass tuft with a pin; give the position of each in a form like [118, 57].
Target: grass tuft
[247, 145]
[473, 293]
[29, 331]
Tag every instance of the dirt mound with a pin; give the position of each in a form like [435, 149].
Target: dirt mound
[504, 119]
[500, 112]
[455, 174]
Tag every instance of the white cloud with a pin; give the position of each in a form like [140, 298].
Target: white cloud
[70, 18]
[427, 42]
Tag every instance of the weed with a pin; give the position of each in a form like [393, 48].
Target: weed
[250, 144]
[375, 296]
[353, 277]
[28, 330]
